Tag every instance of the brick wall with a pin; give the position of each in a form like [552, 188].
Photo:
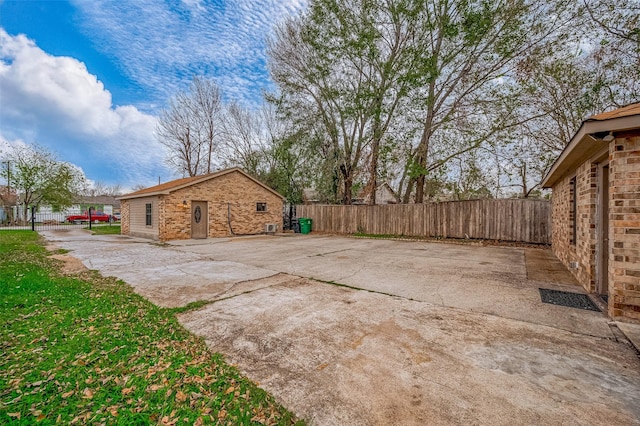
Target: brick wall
[230, 197]
[624, 226]
[624, 266]
[124, 217]
[582, 251]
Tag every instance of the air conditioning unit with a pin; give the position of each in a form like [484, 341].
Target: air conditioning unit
[271, 228]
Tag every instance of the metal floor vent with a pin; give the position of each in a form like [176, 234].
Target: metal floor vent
[565, 298]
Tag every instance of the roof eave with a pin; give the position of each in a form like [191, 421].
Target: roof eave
[575, 151]
[197, 181]
[148, 194]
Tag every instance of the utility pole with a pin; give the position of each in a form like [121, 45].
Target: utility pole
[6, 203]
[8, 179]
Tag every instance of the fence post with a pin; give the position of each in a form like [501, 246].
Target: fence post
[90, 218]
[33, 218]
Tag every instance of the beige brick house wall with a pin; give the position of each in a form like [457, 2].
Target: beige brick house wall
[624, 226]
[624, 266]
[578, 256]
[231, 196]
[124, 217]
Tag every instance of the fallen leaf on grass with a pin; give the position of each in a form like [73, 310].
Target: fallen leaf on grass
[259, 419]
[87, 393]
[228, 391]
[67, 394]
[14, 382]
[166, 421]
[127, 391]
[16, 415]
[181, 396]
[121, 381]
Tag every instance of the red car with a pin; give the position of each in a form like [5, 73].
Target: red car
[84, 217]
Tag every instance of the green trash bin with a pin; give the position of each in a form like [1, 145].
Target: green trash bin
[305, 225]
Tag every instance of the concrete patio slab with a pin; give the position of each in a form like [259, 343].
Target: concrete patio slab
[443, 334]
[494, 280]
[632, 332]
[167, 277]
[337, 356]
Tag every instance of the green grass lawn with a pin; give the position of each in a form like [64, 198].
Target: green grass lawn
[86, 349]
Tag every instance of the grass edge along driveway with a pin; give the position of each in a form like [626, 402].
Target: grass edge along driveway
[87, 349]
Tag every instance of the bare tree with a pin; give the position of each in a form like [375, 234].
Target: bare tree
[189, 129]
[245, 139]
[100, 188]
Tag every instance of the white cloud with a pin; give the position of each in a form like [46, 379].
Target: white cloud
[162, 48]
[55, 101]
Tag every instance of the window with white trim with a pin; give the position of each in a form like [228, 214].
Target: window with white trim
[148, 214]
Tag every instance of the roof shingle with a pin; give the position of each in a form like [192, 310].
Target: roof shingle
[168, 187]
[626, 111]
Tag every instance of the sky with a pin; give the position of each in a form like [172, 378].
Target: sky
[87, 79]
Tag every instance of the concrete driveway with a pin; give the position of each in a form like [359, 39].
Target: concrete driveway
[445, 334]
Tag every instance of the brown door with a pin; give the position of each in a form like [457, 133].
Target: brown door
[603, 232]
[199, 219]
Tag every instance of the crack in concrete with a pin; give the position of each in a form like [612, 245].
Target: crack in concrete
[252, 290]
[235, 284]
[459, 309]
[329, 252]
[360, 269]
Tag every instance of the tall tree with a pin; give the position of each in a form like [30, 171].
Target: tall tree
[559, 92]
[189, 129]
[615, 37]
[372, 72]
[340, 66]
[469, 50]
[39, 177]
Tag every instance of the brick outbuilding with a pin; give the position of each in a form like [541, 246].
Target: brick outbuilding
[225, 203]
[596, 209]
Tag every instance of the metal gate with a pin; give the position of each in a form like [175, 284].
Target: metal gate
[35, 221]
[289, 219]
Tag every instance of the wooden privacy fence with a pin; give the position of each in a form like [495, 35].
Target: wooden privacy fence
[518, 220]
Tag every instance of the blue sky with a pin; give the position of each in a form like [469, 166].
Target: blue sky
[87, 78]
